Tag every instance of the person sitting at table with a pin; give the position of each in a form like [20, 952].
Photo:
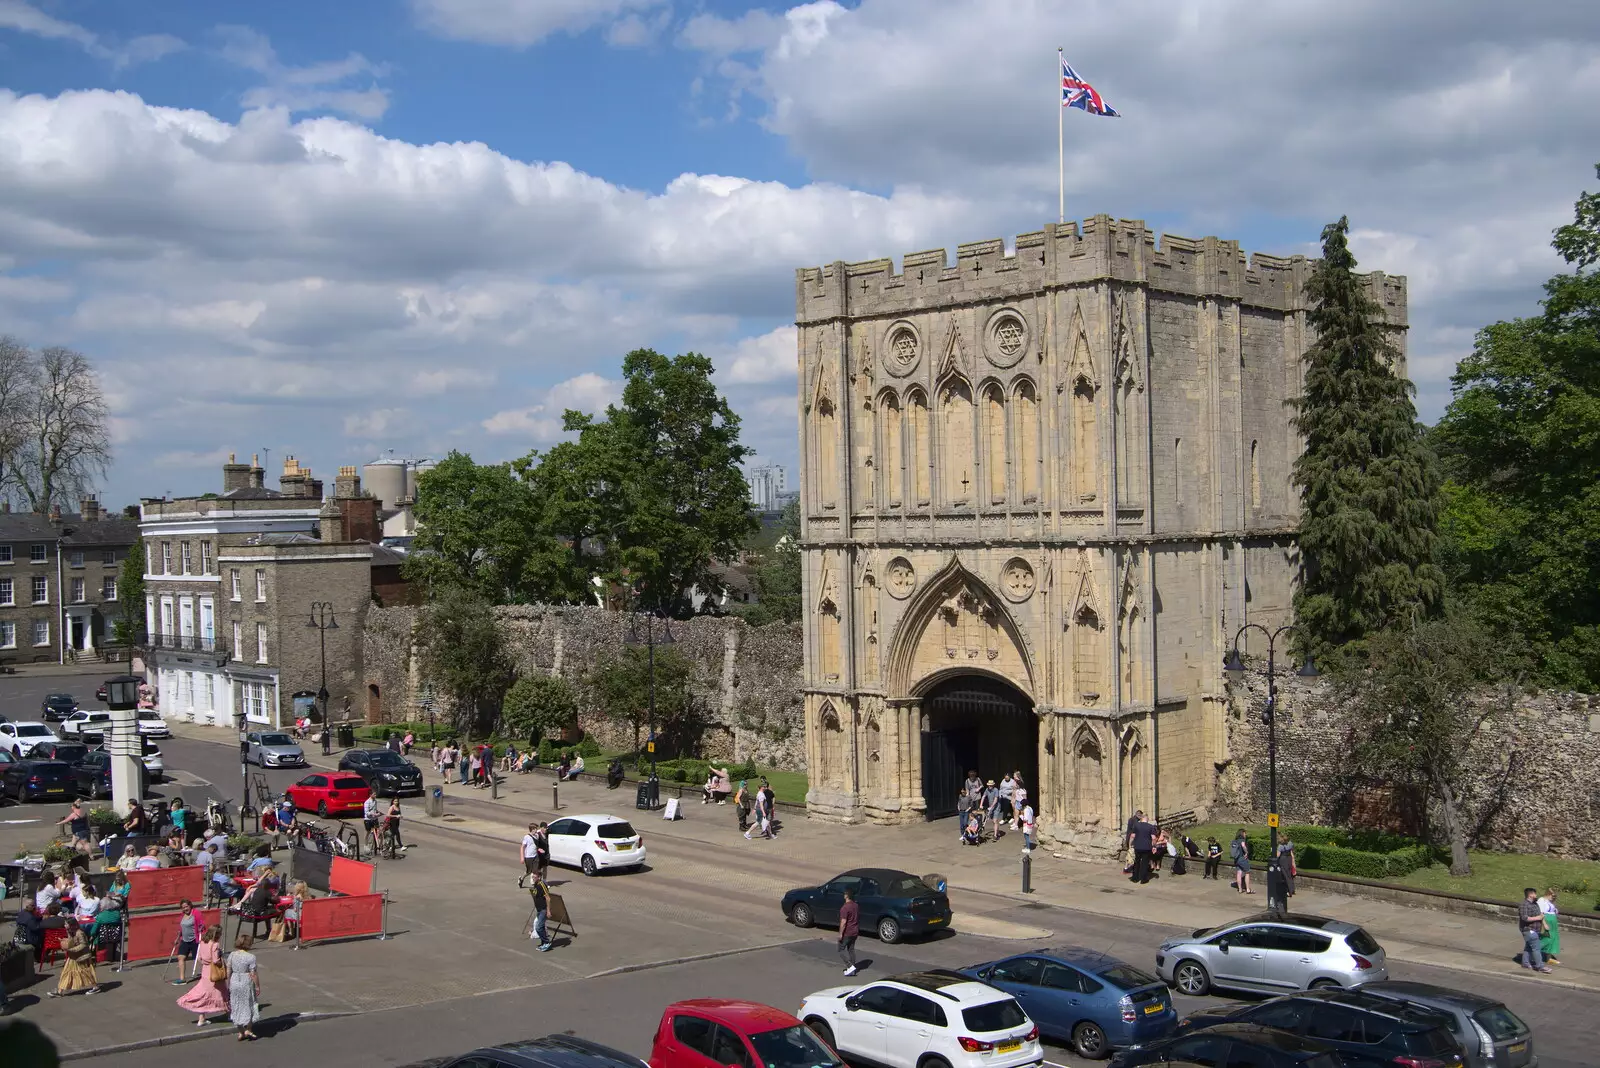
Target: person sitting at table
[719, 785]
[49, 893]
[109, 914]
[87, 904]
[150, 861]
[120, 888]
[214, 836]
[129, 860]
[225, 886]
[262, 859]
[261, 900]
[30, 928]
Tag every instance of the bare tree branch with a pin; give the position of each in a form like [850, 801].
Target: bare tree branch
[17, 386]
[68, 440]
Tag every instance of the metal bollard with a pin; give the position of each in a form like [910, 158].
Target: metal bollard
[1027, 871]
[555, 795]
[494, 786]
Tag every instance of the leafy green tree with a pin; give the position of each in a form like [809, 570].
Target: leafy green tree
[1415, 695]
[777, 577]
[129, 625]
[476, 528]
[539, 705]
[620, 686]
[464, 655]
[1521, 444]
[1368, 481]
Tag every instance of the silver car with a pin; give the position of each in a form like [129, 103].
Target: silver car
[271, 749]
[1491, 1035]
[1272, 953]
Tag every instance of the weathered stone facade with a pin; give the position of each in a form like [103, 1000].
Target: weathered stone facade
[745, 683]
[1041, 490]
[1530, 786]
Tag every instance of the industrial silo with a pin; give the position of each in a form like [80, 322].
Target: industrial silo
[415, 470]
[385, 479]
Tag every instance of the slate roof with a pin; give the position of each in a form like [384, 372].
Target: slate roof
[109, 530]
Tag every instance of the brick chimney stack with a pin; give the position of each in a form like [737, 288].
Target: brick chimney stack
[348, 485]
[235, 475]
[89, 508]
[330, 522]
[258, 474]
[296, 481]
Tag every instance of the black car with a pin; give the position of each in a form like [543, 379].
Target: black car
[93, 775]
[1234, 1043]
[893, 903]
[57, 707]
[68, 753]
[552, 1051]
[35, 780]
[388, 774]
[102, 694]
[1367, 1030]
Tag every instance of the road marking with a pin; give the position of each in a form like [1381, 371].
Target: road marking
[34, 820]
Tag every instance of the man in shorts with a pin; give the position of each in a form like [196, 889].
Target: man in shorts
[369, 819]
[530, 854]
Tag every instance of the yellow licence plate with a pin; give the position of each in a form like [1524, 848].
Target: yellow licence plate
[935, 919]
[1007, 1047]
[55, 790]
[1520, 1047]
[624, 847]
[1151, 1010]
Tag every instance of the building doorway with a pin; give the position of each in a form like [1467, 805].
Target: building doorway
[975, 721]
[374, 704]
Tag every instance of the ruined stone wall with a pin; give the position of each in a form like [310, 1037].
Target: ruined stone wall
[746, 680]
[1531, 786]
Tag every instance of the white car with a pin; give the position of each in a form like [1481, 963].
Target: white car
[151, 758]
[85, 721]
[18, 738]
[929, 1019]
[594, 842]
[151, 725]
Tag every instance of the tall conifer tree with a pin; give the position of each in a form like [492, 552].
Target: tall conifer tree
[1369, 484]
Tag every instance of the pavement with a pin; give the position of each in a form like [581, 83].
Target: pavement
[701, 920]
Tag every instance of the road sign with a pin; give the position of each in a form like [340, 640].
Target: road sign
[650, 747]
[1272, 819]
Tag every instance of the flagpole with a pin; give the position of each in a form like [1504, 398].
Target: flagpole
[1061, 149]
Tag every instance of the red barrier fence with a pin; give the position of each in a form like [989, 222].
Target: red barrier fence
[352, 877]
[323, 918]
[151, 935]
[165, 886]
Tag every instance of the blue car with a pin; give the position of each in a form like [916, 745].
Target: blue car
[1085, 999]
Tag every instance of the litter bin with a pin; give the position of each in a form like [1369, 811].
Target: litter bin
[347, 736]
[435, 803]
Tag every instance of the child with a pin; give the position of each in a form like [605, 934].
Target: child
[1213, 857]
[973, 833]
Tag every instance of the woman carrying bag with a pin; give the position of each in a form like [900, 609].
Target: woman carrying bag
[208, 996]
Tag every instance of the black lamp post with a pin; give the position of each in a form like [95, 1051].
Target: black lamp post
[650, 640]
[1233, 664]
[323, 621]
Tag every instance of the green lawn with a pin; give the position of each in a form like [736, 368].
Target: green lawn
[1495, 876]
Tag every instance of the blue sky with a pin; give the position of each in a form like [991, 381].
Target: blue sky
[332, 229]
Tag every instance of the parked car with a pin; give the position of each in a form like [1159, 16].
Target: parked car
[893, 903]
[717, 1032]
[1491, 1035]
[273, 749]
[102, 693]
[151, 725]
[57, 707]
[918, 1019]
[92, 775]
[387, 772]
[595, 842]
[18, 738]
[1234, 1043]
[151, 758]
[1364, 1028]
[68, 753]
[327, 793]
[82, 720]
[1272, 953]
[552, 1051]
[34, 780]
[1082, 997]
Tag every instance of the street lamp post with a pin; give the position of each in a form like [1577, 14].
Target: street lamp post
[1233, 664]
[650, 640]
[322, 619]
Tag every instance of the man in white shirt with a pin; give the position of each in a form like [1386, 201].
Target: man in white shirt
[369, 818]
[530, 852]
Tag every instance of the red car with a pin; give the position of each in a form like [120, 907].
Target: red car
[719, 1033]
[327, 792]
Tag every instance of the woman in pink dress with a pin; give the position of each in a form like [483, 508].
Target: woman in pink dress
[207, 997]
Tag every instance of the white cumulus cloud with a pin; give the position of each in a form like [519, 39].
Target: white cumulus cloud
[519, 23]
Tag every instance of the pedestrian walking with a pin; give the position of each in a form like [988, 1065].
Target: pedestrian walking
[1019, 794]
[1025, 823]
[209, 995]
[1550, 943]
[541, 914]
[849, 931]
[769, 811]
[1142, 839]
[1287, 868]
[991, 807]
[741, 804]
[369, 819]
[1213, 857]
[1008, 789]
[530, 853]
[1531, 925]
[392, 821]
[1239, 852]
[244, 988]
[406, 743]
[543, 837]
[77, 973]
[188, 942]
[327, 740]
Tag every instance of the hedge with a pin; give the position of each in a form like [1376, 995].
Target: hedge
[1325, 849]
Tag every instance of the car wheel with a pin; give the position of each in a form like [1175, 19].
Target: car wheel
[1324, 984]
[820, 1028]
[1191, 978]
[934, 1062]
[1089, 1041]
[322, 809]
[889, 932]
[801, 916]
[589, 866]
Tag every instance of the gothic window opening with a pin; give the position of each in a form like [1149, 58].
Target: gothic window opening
[826, 431]
[1136, 793]
[1027, 447]
[956, 443]
[918, 433]
[1088, 774]
[1255, 476]
[831, 744]
[891, 448]
[994, 457]
[1086, 655]
[872, 755]
[1085, 457]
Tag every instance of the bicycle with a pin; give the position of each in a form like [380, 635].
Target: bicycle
[384, 843]
[217, 815]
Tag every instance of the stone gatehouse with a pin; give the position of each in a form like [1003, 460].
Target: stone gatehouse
[1041, 491]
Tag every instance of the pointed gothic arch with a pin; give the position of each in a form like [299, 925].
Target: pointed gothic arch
[1087, 756]
[891, 449]
[957, 442]
[956, 623]
[1134, 769]
[831, 746]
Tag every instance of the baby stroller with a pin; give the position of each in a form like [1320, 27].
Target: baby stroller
[972, 826]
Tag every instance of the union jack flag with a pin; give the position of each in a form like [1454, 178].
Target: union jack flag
[1077, 93]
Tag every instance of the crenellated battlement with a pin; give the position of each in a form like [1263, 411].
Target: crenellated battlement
[1064, 255]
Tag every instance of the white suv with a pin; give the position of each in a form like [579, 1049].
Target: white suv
[18, 738]
[932, 1019]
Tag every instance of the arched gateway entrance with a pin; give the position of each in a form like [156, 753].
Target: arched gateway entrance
[975, 722]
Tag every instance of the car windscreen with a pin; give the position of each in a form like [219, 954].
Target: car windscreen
[71, 753]
[905, 886]
[50, 769]
[276, 739]
[59, 699]
[352, 783]
[383, 758]
[615, 830]
[33, 730]
[995, 1016]
[792, 1047]
[1362, 942]
[1501, 1023]
[1127, 976]
[1431, 1040]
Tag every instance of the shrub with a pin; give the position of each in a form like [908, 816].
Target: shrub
[588, 749]
[243, 843]
[54, 853]
[102, 819]
[1337, 859]
[547, 752]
